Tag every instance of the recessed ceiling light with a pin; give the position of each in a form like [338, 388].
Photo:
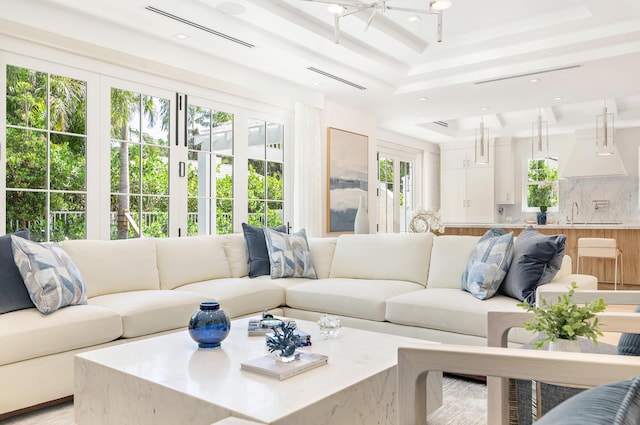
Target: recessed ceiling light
[231, 8]
[423, 99]
[534, 80]
[413, 18]
[421, 117]
[558, 98]
[315, 83]
[181, 36]
[485, 108]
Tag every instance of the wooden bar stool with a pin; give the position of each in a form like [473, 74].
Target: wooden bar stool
[601, 248]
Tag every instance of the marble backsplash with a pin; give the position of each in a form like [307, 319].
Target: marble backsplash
[599, 200]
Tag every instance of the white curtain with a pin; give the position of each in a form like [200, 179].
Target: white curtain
[307, 181]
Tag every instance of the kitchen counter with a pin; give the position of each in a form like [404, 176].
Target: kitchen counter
[627, 236]
[521, 225]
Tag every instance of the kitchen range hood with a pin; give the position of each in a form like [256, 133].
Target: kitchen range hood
[584, 162]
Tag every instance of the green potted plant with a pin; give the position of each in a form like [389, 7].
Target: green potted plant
[564, 320]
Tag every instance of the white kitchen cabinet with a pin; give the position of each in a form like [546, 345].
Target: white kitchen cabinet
[466, 188]
[504, 173]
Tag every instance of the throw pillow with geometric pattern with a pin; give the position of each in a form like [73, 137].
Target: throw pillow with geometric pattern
[49, 275]
[289, 255]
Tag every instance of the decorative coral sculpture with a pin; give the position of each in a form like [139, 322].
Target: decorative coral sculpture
[285, 339]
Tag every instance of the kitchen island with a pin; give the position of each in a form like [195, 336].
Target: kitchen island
[627, 235]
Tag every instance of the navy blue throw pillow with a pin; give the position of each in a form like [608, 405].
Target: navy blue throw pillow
[257, 253]
[617, 403]
[536, 260]
[629, 344]
[13, 293]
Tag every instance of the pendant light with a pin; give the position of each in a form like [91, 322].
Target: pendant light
[605, 131]
[482, 144]
[539, 138]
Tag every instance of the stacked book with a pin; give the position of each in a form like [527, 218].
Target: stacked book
[268, 365]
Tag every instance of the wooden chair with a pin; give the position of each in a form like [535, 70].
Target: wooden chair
[499, 324]
[417, 361]
[606, 248]
[498, 363]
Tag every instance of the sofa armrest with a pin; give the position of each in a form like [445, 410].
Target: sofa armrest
[416, 361]
[583, 295]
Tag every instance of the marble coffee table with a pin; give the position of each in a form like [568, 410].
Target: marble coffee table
[168, 380]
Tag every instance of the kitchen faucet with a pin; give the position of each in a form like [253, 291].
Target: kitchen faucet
[575, 204]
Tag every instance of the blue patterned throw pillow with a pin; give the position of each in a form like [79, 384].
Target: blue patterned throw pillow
[488, 264]
[49, 275]
[289, 254]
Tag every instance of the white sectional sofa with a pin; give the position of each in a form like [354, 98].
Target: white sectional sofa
[405, 284]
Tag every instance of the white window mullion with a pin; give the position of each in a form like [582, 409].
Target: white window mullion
[178, 164]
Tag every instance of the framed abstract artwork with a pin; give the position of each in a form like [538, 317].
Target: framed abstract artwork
[347, 162]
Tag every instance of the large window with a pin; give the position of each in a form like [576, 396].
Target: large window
[84, 154]
[139, 165]
[542, 184]
[266, 173]
[209, 171]
[46, 154]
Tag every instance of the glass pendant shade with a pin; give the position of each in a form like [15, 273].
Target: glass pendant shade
[482, 144]
[539, 139]
[605, 131]
[440, 4]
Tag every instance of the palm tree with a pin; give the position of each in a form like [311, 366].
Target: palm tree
[124, 104]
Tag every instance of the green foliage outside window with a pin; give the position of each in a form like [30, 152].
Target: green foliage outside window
[46, 163]
[45, 154]
[542, 183]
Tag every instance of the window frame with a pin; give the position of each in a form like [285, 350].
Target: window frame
[100, 77]
[399, 153]
[525, 186]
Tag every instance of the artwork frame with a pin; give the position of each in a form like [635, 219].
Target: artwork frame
[347, 177]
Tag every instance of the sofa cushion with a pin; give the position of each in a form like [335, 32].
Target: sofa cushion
[360, 298]
[488, 264]
[110, 267]
[236, 251]
[450, 310]
[257, 254]
[448, 260]
[30, 334]
[13, 293]
[383, 256]
[536, 260]
[241, 296]
[289, 254]
[322, 250]
[617, 403]
[49, 275]
[190, 259]
[151, 311]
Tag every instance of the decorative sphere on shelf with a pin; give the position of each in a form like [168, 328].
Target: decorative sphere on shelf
[209, 326]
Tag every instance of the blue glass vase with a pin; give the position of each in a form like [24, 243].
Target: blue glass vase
[542, 217]
[209, 326]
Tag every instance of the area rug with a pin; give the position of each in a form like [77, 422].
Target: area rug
[465, 403]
